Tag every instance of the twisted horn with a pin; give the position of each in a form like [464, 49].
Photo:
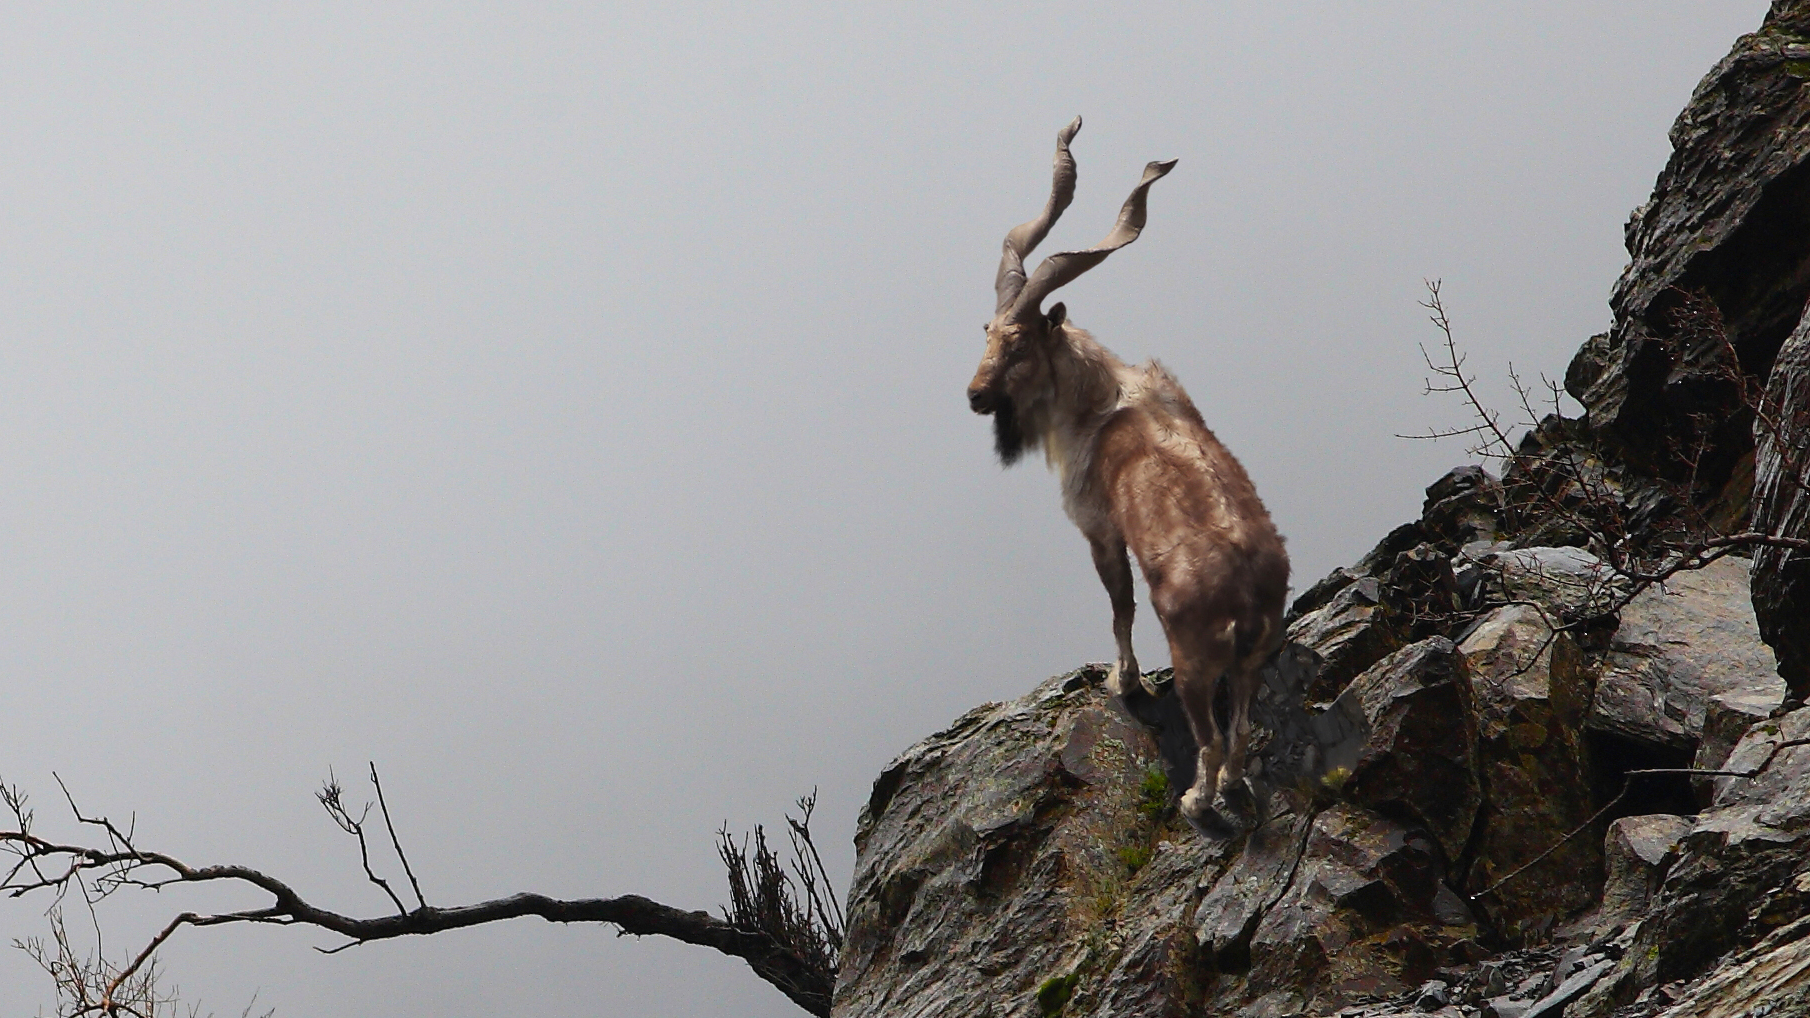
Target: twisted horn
[1026, 236]
[1060, 269]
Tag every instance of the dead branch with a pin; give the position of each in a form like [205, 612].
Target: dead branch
[41, 865]
[395, 842]
[794, 909]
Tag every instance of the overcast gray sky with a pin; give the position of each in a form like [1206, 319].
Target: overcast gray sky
[562, 404]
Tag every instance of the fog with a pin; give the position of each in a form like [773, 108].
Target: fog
[562, 406]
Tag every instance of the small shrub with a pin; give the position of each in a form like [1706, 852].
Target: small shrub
[1134, 856]
[1053, 995]
[1153, 792]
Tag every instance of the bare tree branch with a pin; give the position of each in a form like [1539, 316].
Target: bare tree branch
[795, 910]
[42, 865]
[1562, 488]
[395, 842]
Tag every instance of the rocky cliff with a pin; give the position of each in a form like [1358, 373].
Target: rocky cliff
[1499, 774]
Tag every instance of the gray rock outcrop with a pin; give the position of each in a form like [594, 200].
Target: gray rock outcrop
[1677, 648]
[1637, 852]
[1781, 505]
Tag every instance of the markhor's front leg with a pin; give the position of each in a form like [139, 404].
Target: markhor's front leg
[1115, 572]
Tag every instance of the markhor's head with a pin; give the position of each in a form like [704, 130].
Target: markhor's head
[1014, 374]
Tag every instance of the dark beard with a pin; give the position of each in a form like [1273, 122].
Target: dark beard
[1008, 440]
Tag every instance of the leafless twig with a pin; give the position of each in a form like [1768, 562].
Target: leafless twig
[796, 910]
[395, 842]
[1562, 488]
[330, 800]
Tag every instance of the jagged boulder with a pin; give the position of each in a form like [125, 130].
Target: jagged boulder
[1781, 506]
[1531, 687]
[1678, 647]
[1559, 579]
[1465, 506]
[1354, 618]
[1350, 632]
[1637, 853]
[994, 857]
[1744, 869]
[1420, 761]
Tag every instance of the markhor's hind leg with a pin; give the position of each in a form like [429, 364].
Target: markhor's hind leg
[1196, 678]
[1241, 683]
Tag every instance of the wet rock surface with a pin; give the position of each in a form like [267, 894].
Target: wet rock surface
[1637, 853]
[1678, 647]
[1781, 577]
[1531, 686]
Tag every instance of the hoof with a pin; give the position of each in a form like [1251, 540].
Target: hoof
[1201, 816]
[1211, 825]
[1122, 687]
[1239, 801]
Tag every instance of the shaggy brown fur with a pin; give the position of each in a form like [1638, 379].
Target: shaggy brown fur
[1142, 473]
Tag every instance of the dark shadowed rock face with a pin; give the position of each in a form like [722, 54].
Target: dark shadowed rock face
[1730, 218]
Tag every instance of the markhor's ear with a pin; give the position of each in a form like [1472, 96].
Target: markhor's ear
[1057, 314]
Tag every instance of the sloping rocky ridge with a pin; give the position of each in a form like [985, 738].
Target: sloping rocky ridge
[1450, 822]
[1027, 860]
